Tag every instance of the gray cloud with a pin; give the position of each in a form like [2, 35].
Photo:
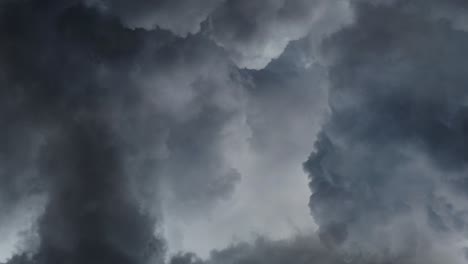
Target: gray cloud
[189, 107]
[180, 16]
[285, 106]
[109, 117]
[391, 160]
[289, 102]
[255, 32]
[302, 249]
[121, 116]
[52, 64]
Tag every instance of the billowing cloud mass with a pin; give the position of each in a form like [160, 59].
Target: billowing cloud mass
[255, 32]
[252, 32]
[176, 132]
[300, 250]
[179, 16]
[391, 162]
[100, 118]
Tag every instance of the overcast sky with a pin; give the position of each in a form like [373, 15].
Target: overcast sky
[233, 131]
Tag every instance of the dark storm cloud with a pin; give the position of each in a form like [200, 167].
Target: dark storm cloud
[255, 32]
[98, 115]
[180, 16]
[116, 114]
[301, 250]
[52, 54]
[388, 171]
[194, 92]
[391, 161]
[289, 100]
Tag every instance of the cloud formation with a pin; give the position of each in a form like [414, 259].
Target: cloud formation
[123, 116]
[102, 119]
[255, 32]
[392, 158]
[52, 67]
[180, 16]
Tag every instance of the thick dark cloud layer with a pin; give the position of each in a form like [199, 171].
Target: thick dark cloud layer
[188, 108]
[289, 94]
[302, 250]
[179, 16]
[118, 114]
[100, 118]
[391, 162]
[52, 54]
[255, 32]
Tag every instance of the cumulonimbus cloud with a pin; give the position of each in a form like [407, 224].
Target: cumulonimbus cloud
[391, 160]
[113, 108]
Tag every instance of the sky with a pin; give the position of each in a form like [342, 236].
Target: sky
[233, 131]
